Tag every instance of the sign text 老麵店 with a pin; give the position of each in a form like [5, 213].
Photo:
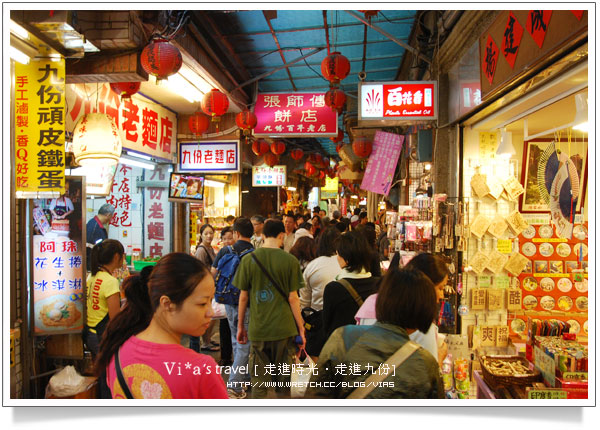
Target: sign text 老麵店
[398, 100]
[145, 126]
[294, 115]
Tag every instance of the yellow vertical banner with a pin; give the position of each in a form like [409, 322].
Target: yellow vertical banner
[488, 145]
[39, 127]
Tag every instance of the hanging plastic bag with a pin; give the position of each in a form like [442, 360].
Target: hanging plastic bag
[300, 376]
[218, 310]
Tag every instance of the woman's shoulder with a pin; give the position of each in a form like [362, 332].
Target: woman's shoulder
[161, 351]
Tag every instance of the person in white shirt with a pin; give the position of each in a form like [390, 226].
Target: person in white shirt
[290, 226]
[321, 271]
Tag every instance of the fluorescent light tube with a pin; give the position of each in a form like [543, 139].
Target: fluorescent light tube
[136, 163]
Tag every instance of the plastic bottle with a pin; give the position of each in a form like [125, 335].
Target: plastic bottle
[447, 372]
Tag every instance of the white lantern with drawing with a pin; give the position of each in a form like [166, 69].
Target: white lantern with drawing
[96, 140]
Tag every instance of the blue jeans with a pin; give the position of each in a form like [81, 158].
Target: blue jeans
[241, 353]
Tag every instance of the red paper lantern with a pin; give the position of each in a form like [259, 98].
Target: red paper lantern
[277, 147]
[319, 160]
[271, 159]
[362, 147]
[335, 99]
[310, 169]
[335, 67]
[199, 123]
[125, 89]
[260, 147]
[161, 59]
[338, 138]
[297, 154]
[246, 120]
[215, 104]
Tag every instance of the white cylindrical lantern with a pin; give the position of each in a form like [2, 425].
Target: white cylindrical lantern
[96, 140]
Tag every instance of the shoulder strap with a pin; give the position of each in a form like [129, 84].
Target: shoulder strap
[352, 291]
[275, 284]
[121, 378]
[394, 362]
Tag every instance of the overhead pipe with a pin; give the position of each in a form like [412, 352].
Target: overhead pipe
[279, 49]
[326, 31]
[264, 75]
[391, 37]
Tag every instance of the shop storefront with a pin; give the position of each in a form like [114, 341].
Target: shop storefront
[478, 155]
[524, 225]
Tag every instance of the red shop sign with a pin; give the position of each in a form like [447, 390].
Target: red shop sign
[398, 100]
[293, 115]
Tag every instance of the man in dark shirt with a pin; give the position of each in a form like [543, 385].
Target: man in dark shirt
[96, 229]
[242, 233]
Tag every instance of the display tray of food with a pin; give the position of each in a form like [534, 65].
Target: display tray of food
[505, 370]
[140, 264]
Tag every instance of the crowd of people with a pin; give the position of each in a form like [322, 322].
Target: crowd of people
[279, 289]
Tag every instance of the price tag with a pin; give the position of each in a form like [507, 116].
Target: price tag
[502, 282]
[575, 375]
[549, 240]
[546, 394]
[504, 246]
[484, 281]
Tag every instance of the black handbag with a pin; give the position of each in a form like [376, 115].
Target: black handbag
[313, 330]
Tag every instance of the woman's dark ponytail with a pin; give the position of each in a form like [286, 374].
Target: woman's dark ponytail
[134, 317]
[176, 276]
[103, 253]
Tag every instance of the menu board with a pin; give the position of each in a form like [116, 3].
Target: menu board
[555, 282]
[58, 261]
[265, 176]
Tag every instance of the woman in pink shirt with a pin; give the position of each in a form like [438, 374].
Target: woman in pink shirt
[175, 299]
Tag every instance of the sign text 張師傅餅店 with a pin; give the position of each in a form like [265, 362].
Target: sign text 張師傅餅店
[398, 100]
[294, 114]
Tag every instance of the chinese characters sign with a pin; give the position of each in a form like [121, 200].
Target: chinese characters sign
[40, 126]
[123, 187]
[265, 176]
[398, 100]
[382, 163]
[537, 25]
[294, 114]
[218, 156]
[57, 263]
[145, 126]
[491, 59]
[157, 218]
[525, 37]
[488, 145]
[512, 39]
[330, 190]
